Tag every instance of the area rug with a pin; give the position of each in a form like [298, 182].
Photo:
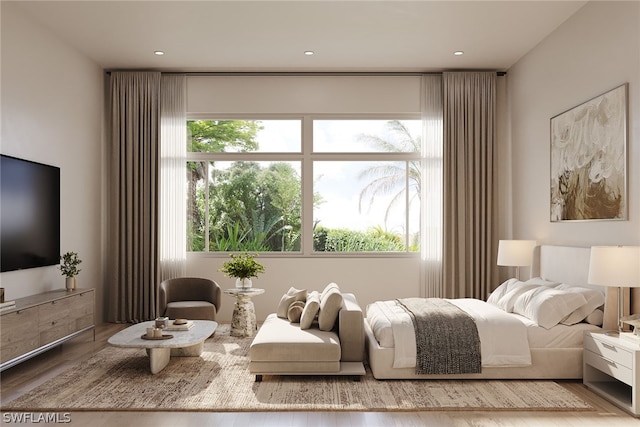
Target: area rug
[219, 380]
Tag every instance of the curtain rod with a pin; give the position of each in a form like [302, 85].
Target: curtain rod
[310, 73]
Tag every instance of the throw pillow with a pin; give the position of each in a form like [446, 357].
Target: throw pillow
[330, 305]
[327, 289]
[292, 295]
[310, 310]
[295, 311]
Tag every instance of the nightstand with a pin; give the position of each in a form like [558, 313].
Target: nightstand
[611, 368]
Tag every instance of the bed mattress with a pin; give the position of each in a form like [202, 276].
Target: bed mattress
[388, 319]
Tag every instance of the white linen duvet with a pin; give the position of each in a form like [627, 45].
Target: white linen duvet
[503, 338]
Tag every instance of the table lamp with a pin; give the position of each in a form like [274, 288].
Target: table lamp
[515, 253]
[615, 266]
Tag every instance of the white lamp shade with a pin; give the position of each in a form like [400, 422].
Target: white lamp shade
[615, 266]
[515, 253]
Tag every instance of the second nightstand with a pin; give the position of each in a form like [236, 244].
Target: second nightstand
[611, 368]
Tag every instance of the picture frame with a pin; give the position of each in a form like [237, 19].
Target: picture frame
[589, 159]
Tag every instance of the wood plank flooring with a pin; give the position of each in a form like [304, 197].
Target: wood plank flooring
[20, 379]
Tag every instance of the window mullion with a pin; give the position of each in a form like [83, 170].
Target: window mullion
[307, 186]
[407, 206]
[206, 209]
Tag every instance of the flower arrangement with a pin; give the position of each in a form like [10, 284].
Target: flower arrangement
[69, 264]
[242, 266]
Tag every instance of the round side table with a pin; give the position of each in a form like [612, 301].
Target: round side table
[243, 322]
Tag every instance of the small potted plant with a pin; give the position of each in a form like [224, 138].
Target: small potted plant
[69, 267]
[243, 267]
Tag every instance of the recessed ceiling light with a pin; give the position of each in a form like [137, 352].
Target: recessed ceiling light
[458, 53]
[309, 52]
[159, 52]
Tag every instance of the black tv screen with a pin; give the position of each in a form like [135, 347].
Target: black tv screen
[29, 214]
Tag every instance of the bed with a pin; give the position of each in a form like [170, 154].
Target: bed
[531, 351]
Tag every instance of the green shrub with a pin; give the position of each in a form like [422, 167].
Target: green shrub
[343, 240]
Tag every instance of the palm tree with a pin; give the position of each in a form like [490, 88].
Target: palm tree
[389, 178]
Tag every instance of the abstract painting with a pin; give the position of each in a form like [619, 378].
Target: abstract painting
[588, 159]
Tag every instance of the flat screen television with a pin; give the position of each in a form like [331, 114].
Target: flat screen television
[29, 214]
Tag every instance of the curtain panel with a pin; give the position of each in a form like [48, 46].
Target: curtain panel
[173, 160]
[133, 196]
[431, 188]
[470, 199]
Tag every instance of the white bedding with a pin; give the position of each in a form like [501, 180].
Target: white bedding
[503, 337]
[559, 336]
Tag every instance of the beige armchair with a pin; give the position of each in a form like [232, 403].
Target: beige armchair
[190, 298]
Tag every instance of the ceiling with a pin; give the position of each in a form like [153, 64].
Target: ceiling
[272, 36]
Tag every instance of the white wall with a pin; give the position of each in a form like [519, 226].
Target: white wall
[303, 94]
[52, 103]
[594, 51]
[369, 279]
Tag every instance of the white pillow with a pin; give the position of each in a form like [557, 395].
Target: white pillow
[594, 299]
[328, 288]
[541, 281]
[595, 318]
[330, 305]
[509, 299]
[547, 306]
[310, 310]
[499, 292]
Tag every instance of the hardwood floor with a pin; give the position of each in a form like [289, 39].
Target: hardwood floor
[20, 379]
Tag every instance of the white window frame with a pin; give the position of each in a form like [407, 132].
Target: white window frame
[307, 156]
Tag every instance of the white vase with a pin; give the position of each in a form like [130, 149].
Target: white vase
[244, 283]
[70, 283]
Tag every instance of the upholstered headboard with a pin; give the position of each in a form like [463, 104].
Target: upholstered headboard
[570, 265]
[564, 264]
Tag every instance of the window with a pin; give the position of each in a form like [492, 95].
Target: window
[241, 197]
[368, 185]
[247, 181]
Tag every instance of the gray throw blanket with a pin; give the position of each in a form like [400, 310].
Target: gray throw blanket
[447, 340]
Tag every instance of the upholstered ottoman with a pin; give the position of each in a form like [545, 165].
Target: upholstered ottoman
[283, 348]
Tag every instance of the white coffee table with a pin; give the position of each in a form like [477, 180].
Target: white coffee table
[184, 343]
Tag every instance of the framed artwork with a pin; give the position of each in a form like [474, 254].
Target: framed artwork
[589, 159]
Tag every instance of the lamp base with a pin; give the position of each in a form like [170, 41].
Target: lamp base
[612, 333]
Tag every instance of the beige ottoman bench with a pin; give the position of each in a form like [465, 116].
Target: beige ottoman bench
[282, 348]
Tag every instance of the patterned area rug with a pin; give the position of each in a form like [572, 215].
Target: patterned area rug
[117, 378]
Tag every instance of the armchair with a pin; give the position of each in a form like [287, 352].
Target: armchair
[190, 298]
